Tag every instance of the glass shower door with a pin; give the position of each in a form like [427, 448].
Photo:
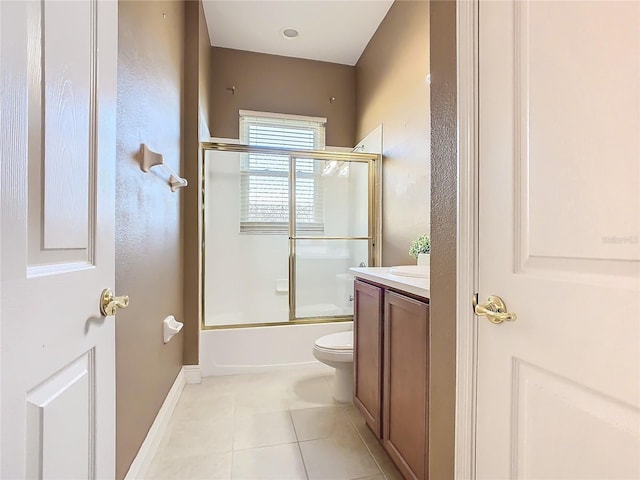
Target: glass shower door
[245, 242]
[331, 230]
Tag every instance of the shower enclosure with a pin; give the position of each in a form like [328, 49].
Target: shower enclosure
[281, 229]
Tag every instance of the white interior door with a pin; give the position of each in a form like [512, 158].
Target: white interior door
[559, 223]
[58, 97]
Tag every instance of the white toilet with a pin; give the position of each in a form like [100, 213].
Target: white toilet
[336, 350]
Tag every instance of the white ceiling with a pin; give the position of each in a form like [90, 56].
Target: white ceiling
[330, 30]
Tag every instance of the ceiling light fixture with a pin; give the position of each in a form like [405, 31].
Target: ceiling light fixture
[290, 33]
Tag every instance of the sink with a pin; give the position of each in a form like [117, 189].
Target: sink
[417, 271]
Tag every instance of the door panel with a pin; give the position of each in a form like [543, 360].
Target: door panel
[68, 70]
[61, 95]
[61, 407]
[367, 353]
[572, 117]
[605, 429]
[57, 211]
[559, 220]
[405, 385]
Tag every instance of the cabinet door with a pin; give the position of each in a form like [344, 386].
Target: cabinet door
[367, 353]
[406, 337]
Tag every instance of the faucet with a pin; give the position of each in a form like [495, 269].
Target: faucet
[362, 264]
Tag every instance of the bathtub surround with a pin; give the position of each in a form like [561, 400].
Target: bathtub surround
[152, 68]
[391, 90]
[262, 349]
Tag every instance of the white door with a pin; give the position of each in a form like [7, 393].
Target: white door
[559, 169]
[58, 98]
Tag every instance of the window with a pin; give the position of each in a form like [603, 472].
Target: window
[265, 176]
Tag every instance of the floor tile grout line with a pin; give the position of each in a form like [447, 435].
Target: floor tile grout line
[264, 446]
[295, 430]
[233, 428]
[304, 464]
[375, 460]
[343, 408]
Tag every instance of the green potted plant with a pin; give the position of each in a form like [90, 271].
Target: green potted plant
[421, 249]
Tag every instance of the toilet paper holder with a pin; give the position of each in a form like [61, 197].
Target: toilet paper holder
[170, 328]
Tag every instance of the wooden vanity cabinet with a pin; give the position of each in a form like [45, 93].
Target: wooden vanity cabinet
[405, 383]
[391, 339]
[367, 353]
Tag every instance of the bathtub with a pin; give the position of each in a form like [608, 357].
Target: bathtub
[275, 316]
[262, 349]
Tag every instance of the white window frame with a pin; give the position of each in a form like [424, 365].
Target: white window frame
[317, 124]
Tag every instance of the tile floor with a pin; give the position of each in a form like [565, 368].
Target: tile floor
[276, 426]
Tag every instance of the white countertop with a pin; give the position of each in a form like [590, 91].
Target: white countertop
[382, 275]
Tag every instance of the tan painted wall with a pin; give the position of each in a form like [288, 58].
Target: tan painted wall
[148, 236]
[204, 66]
[271, 83]
[391, 90]
[197, 78]
[442, 358]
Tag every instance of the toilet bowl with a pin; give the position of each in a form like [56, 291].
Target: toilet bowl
[336, 350]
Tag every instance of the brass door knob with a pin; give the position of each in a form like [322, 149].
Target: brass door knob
[109, 303]
[494, 309]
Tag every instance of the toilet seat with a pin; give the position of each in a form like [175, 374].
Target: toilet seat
[341, 342]
[336, 347]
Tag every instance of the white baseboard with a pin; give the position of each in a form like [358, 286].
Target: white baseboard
[149, 447]
[192, 374]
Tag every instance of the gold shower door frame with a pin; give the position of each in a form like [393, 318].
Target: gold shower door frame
[373, 233]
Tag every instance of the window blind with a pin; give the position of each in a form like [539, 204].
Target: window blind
[265, 176]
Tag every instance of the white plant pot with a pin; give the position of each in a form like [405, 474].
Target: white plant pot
[424, 259]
